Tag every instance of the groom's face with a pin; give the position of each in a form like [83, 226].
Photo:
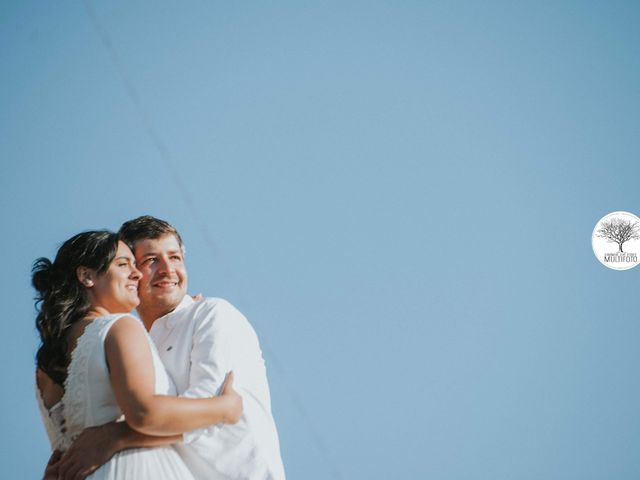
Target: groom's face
[164, 275]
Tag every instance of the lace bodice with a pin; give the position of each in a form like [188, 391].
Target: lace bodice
[88, 398]
[53, 419]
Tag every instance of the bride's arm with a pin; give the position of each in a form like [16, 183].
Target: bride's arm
[96, 445]
[133, 381]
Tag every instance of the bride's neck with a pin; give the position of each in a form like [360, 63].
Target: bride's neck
[96, 311]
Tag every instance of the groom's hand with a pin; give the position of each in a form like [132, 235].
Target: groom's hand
[51, 471]
[93, 448]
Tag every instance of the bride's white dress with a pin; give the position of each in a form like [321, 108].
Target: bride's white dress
[89, 401]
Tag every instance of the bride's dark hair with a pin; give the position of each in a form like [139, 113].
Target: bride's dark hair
[61, 299]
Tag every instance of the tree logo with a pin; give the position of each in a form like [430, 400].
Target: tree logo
[616, 240]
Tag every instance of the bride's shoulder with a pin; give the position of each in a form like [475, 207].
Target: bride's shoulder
[125, 329]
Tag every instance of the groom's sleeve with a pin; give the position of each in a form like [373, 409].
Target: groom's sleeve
[212, 340]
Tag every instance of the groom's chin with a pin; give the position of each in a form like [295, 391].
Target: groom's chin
[164, 299]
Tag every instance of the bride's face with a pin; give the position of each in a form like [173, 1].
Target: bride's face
[117, 289]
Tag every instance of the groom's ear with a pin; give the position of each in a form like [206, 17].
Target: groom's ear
[85, 276]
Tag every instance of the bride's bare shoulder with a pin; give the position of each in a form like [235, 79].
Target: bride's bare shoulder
[126, 329]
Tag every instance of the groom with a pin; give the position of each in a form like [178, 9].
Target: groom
[198, 342]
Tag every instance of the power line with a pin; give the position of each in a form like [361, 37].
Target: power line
[174, 174]
[156, 139]
[317, 439]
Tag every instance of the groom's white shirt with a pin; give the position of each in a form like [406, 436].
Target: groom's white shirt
[199, 342]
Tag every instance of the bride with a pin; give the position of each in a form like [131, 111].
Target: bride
[96, 361]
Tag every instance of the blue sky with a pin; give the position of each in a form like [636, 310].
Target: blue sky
[399, 195]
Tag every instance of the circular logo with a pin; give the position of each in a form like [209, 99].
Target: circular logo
[616, 240]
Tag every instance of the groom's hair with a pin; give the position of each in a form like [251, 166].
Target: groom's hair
[146, 227]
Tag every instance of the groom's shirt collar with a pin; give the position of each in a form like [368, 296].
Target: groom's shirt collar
[171, 319]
